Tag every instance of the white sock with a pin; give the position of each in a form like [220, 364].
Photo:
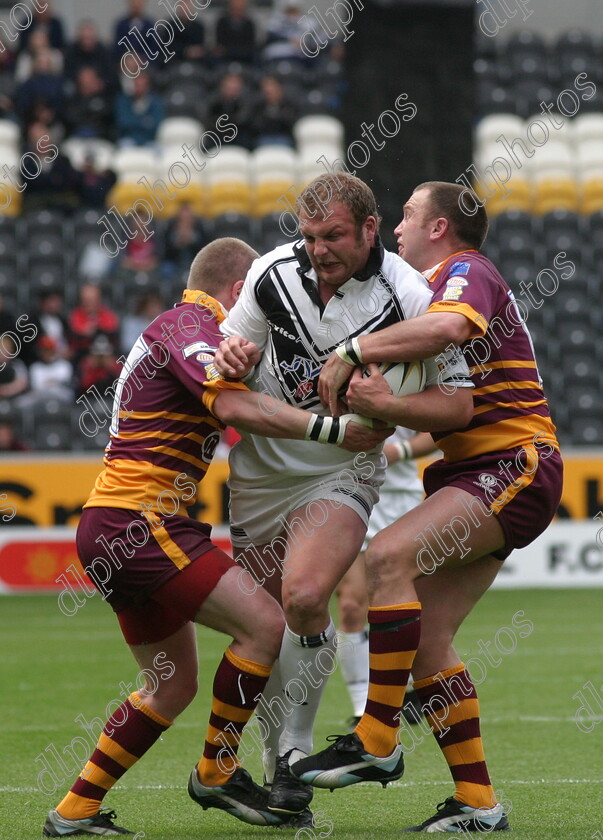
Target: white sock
[306, 662]
[353, 654]
[269, 710]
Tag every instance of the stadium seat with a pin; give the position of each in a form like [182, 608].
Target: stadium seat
[175, 131]
[228, 196]
[271, 233]
[588, 128]
[232, 163]
[491, 127]
[44, 275]
[586, 429]
[90, 442]
[591, 195]
[552, 193]
[271, 197]
[555, 159]
[234, 224]
[77, 149]
[130, 164]
[14, 293]
[319, 131]
[518, 196]
[51, 425]
[185, 99]
[594, 225]
[46, 246]
[494, 100]
[561, 222]
[274, 163]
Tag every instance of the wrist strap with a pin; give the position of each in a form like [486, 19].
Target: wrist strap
[325, 429]
[404, 450]
[350, 352]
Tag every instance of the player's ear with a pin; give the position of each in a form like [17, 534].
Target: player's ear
[237, 288]
[439, 228]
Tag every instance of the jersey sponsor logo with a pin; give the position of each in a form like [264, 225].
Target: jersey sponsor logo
[457, 281]
[204, 357]
[282, 331]
[303, 389]
[459, 268]
[211, 372]
[487, 483]
[308, 368]
[197, 347]
[453, 293]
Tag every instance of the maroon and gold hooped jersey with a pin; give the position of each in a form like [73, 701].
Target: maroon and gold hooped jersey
[510, 407]
[163, 432]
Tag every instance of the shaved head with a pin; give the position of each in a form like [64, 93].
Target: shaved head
[220, 264]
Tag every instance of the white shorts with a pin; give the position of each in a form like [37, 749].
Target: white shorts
[258, 514]
[391, 506]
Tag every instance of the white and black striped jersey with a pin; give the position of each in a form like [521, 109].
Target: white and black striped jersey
[281, 311]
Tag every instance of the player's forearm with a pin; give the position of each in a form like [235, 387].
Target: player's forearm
[418, 338]
[261, 414]
[430, 411]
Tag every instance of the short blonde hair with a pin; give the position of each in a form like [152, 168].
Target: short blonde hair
[220, 264]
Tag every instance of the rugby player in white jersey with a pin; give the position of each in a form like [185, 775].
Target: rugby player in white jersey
[298, 515]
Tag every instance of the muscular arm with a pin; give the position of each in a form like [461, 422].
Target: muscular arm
[418, 338]
[432, 410]
[261, 414]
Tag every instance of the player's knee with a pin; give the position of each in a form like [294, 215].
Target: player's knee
[304, 601]
[384, 564]
[351, 613]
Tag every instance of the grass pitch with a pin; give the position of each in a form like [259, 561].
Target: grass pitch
[549, 771]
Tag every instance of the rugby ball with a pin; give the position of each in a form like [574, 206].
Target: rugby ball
[403, 378]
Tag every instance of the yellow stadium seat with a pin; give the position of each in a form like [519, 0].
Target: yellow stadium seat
[228, 197]
[555, 194]
[11, 200]
[268, 195]
[591, 196]
[517, 195]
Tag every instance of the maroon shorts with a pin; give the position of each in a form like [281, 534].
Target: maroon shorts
[521, 486]
[154, 578]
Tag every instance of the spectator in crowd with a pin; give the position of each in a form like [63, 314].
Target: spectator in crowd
[274, 115]
[141, 251]
[13, 373]
[56, 183]
[284, 32]
[44, 85]
[88, 51]
[99, 368]
[89, 110]
[51, 321]
[135, 19]
[233, 99]
[46, 117]
[51, 25]
[137, 115]
[90, 317]
[184, 237]
[148, 306]
[189, 45]
[9, 442]
[50, 375]
[38, 42]
[235, 34]
[94, 183]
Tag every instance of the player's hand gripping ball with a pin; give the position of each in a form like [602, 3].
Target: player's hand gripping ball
[403, 379]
